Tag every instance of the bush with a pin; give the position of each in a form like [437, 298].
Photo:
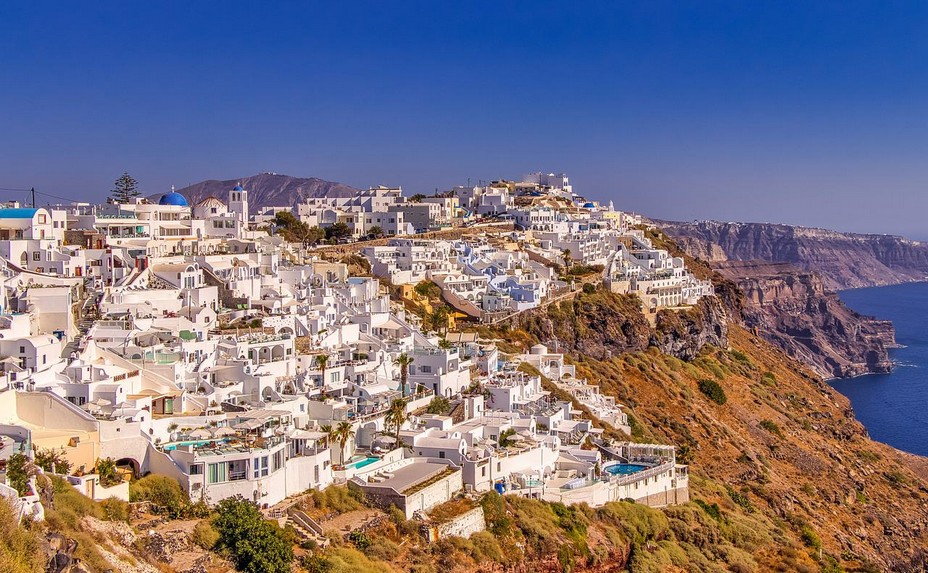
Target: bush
[439, 405]
[164, 493]
[256, 545]
[53, 461]
[335, 499]
[771, 427]
[114, 509]
[20, 548]
[810, 538]
[713, 391]
[204, 535]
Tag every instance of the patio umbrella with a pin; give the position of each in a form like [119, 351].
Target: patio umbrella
[200, 434]
[224, 431]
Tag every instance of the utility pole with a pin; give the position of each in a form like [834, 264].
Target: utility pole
[33, 197]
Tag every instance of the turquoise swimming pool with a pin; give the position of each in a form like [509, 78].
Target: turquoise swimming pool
[361, 463]
[624, 469]
[194, 443]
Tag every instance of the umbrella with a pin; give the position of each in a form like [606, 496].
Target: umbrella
[200, 433]
[224, 431]
[101, 402]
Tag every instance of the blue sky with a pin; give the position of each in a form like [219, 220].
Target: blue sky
[807, 113]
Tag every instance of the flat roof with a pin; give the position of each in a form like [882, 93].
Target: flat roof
[412, 474]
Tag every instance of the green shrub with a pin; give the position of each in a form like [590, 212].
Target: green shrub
[256, 545]
[713, 390]
[335, 499]
[114, 509]
[809, 537]
[712, 510]
[204, 535]
[771, 427]
[20, 548]
[165, 494]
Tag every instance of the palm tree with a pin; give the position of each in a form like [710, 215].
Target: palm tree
[568, 259]
[327, 430]
[444, 344]
[322, 361]
[403, 361]
[341, 434]
[396, 416]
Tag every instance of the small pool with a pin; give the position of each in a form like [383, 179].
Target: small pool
[624, 469]
[361, 463]
[194, 443]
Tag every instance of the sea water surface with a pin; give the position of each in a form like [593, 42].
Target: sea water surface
[894, 407]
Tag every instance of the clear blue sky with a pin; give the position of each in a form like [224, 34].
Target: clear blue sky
[808, 113]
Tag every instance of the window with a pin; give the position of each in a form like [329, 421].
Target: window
[216, 473]
[261, 467]
[483, 471]
[441, 455]
[426, 369]
[22, 349]
[42, 218]
[36, 256]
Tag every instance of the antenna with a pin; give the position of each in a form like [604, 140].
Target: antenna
[33, 197]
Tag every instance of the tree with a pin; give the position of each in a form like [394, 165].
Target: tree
[125, 189]
[445, 344]
[506, 438]
[396, 417]
[568, 258]
[417, 198]
[439, 405]
[375, 232]
[19, 469]
[403, 361]
[337, 231]
[438, 319]
[327, 430]
[256, 545]
[341, 434]
[322, 361]
[106, 469]
[52, 461]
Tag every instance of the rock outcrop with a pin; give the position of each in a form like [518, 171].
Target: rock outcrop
[794, 310]
[602, 325]
[844, 260]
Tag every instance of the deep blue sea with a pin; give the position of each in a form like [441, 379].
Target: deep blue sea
[894, 407]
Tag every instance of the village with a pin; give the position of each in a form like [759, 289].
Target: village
[268, 352]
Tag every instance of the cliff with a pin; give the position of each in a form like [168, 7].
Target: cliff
[788, 288]
[268, 190]
[795, 311]
[844, 260]
[603, 324]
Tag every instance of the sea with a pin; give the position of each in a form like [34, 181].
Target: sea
[894, 407]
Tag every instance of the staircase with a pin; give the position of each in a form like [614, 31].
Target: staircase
[305, 526]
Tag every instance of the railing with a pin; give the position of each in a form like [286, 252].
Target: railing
[238, 475]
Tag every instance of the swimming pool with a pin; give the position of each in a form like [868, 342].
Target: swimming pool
[361, 463]
[624, 469]
[194, 443]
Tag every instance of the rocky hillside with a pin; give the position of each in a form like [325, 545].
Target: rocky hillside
[268, 189]
[793, 308]
[844, 260]
[794, 311]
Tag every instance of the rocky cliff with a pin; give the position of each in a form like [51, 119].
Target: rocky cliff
[603, 324]
[844, 260]
[269, 189]
[794, 310]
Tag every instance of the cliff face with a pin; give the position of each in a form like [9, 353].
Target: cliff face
[844, 260]
[603, 324]
[795, 311]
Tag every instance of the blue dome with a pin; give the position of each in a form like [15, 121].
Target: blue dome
[588, 206]
[237, 188]
[173, 198]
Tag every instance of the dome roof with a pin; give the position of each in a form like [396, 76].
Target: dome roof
[173, 198]
[211, 202]
[588, 205]
[238, 188]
